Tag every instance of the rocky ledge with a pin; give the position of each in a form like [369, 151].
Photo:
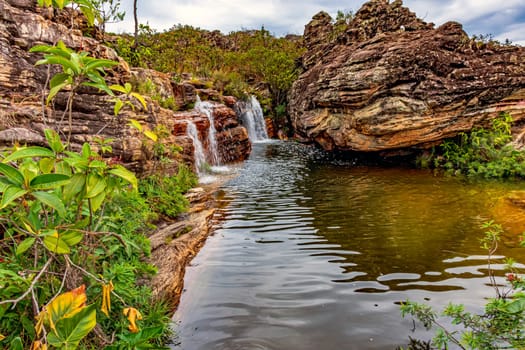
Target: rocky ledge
[23, 116]
[389, 81]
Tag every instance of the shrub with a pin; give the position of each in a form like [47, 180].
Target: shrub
[65, 224]
[166, 193]
[501, 326]
[483, 153]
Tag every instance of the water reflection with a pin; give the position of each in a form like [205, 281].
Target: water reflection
[316, 255]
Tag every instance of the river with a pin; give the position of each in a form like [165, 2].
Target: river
[314, 253]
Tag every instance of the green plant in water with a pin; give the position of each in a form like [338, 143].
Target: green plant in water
[501, 326]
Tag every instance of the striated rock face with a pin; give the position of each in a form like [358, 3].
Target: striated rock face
[389, 81]
[23, 117]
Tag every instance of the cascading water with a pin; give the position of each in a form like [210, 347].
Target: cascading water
[200, 157]
[207, 108]
[251, 115]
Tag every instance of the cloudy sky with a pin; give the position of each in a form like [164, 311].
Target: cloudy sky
[501, 18]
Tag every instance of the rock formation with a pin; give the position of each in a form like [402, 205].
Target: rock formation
[389, 81]
[23, 115]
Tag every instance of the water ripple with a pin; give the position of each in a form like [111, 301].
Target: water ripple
[313, 254]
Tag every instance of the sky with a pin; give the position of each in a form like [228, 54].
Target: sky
[504, 19]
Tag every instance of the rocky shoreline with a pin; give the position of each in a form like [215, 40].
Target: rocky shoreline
[174, 245]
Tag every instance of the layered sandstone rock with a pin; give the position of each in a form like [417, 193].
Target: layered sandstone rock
[24, 116]
[389, 81]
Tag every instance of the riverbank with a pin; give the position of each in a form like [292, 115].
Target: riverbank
[174, 245]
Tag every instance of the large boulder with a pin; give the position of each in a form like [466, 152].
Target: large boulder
[389, 81]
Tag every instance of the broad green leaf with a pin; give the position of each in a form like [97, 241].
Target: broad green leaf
[98, 164]
[60, 3]
[40, 48]
[51, 200]
[29, 152]
[16, 344]
[70, 331]
[48, 181]
[89, 13]
[125, 174]
[56, 245]
[95, 185]
[4, 184]
[74, 186]
[54, 91]
[102, 87]
[516, 306]
[136, 124]
[100, 63]
[118, 88]
[11, 194]
[25, 245]
[62, 49]
[53, 139]
[46, 165]
[128, 87]
[151, 135]
[118, 106]
[72, 237]
[78, 162]
[59, 79]
[97, 201]
[64, 62]
[86, 150]
[13, 175]
[63, 168]
[29, 169]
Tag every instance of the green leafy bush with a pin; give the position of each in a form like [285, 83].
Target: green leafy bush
[483, 153]
[65, 222]
[166, 193]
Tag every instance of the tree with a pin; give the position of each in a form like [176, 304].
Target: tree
[108, 12]
[135, 18]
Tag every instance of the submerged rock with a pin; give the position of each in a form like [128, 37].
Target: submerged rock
[389, 81]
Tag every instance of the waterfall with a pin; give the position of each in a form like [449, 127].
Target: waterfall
[200, 157]
[207, 108]
[251, 116]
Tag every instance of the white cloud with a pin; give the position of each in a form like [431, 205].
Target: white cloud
[500, 18]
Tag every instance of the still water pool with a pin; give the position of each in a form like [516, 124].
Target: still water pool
[317, 254]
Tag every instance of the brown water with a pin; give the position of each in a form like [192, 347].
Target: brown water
[317, 254]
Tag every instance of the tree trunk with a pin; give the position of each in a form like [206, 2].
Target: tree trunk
[136, 43]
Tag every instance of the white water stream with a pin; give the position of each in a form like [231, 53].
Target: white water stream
[252, 117]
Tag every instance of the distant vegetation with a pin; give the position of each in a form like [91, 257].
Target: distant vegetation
[238, 64]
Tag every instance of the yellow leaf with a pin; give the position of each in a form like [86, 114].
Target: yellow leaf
[151, 135]
[136, 124]
[106, 298]
[133, 315]
[63, 306]
[40, 323]
[2, 337]
[37, 345]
